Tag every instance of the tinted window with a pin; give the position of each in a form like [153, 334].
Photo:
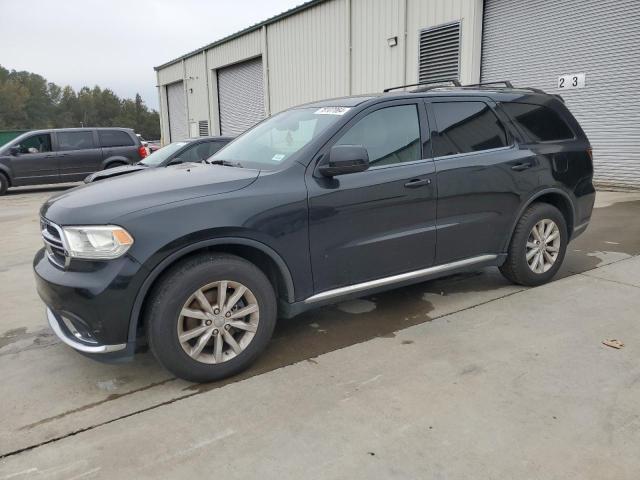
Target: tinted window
[390, 135]
[115, 138]
[465, 127]
[541, 123]
[75, 140]
[36, 144]
[200, 152]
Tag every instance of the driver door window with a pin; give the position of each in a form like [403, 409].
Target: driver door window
[36, 144]
[391, 135]
[200, 152]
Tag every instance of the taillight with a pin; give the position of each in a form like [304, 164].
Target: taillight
[142, 151]
[590, 153]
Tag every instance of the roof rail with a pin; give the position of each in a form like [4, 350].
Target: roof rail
[453, 80]
[537, 90]
[506, 83]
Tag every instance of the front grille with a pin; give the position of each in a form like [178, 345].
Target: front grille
[54, 243]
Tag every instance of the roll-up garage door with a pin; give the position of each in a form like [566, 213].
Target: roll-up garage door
[240, 96]
[177, 113]
[532, 43]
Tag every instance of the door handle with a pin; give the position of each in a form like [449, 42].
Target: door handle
[521, 166]
[417, 182]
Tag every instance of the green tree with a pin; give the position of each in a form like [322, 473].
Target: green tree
[27, 100]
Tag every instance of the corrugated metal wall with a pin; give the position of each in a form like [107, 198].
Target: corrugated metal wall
[374, 64]
[423, 14]
[307, 56]
[534, 42]
[196, 89]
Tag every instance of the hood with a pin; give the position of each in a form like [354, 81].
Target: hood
[113, 172]
[104, 201]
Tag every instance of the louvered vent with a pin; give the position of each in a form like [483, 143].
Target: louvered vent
[439, 53]
[203, 128]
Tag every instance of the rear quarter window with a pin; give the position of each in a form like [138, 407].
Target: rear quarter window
[540, 123]
[115, 138]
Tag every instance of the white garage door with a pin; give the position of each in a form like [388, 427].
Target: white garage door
[177, 113]
[534, 42]
[240, 96]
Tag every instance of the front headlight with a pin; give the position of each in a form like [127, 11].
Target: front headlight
[97, 242]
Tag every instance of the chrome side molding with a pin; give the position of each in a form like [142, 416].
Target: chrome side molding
[381, 282]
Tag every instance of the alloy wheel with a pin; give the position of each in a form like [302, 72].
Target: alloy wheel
[218, 322]
[543, 246]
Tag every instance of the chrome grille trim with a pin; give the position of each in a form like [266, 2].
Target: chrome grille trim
[54, 243]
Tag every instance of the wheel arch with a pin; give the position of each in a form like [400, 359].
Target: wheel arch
[7, 174]
[119, 159]
[261, 255]
[553, 196]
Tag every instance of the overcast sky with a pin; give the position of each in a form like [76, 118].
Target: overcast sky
[116, 43]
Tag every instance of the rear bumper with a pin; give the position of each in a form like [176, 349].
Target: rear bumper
[579, 229]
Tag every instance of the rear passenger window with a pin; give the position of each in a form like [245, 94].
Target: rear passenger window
[115, 138]
[75, 140]
[465, 127]
[391, 135]
[540, 123]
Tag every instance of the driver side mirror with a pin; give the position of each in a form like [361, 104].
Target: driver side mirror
[345, 159]
[15, 151]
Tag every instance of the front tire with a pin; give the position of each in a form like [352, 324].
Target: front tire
[210, 317]
[537, 247]
[4, 184]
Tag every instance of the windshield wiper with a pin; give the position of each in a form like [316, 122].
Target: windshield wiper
[226, 163]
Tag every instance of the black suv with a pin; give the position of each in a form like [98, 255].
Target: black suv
[188, 150]
[322, 202]
[65, 155]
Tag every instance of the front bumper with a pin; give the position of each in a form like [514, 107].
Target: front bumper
[68, 332]
[89, 305]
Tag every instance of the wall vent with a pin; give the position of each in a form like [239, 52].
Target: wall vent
[439, 53]
[203, 128]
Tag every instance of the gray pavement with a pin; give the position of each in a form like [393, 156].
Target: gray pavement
[465, 377]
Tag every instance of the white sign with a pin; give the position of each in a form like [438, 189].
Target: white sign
[332, 110]
[574, 80]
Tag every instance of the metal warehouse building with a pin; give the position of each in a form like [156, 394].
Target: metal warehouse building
[586, 50]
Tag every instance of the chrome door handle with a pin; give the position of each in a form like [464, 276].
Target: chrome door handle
[521, 166]
[417, 182]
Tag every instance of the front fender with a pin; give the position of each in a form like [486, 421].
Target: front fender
[182, 252]
[6, 171]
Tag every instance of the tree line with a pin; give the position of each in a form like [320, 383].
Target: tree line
[28, 101]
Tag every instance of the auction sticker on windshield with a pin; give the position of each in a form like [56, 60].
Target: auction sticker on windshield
[332, 110]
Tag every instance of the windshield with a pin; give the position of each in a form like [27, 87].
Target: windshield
[273, 141]
[159, 156]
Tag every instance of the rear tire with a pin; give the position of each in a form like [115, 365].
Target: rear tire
[4, 184]
[114, 165]
[537, 247]
[186, 302]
